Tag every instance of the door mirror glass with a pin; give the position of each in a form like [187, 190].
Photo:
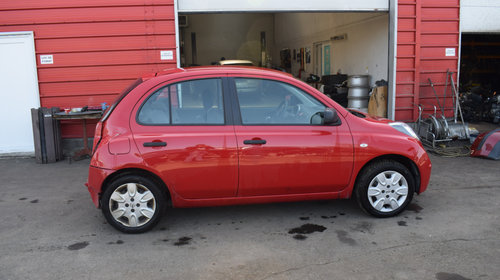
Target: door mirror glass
[327, 117]
[330, 117]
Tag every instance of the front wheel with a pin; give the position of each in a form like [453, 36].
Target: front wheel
[133, 204]
[385, 188]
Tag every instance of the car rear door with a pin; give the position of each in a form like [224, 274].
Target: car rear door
[183, 130]
[280, 151]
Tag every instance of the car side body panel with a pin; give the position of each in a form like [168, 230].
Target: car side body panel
[373, 139]
[189, 168]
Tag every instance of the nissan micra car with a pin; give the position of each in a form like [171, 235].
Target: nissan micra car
[214, 136]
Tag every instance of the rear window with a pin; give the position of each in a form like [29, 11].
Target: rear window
[195, 102]
[120, 98]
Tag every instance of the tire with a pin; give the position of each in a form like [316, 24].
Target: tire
[384, 188]
[133, 204]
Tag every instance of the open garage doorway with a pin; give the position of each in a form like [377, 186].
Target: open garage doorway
[480, 61]
[479, 77]
[301, 43]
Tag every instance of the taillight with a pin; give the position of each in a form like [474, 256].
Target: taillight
[97, 137]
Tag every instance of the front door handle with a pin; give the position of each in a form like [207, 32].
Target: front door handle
[255, 142]
[155, 144]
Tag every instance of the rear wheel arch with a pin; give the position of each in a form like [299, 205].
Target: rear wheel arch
[138, 172]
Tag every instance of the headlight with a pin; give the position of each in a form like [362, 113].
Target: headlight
[404, 128]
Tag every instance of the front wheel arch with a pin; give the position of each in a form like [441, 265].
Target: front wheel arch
[408, 163]
[369, 188]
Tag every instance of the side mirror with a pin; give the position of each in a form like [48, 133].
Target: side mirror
[327, 117]
[330, 117]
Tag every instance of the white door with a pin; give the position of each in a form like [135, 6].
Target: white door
[18, 91]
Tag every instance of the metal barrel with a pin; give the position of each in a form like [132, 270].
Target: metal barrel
[358, 81]
[358, 94]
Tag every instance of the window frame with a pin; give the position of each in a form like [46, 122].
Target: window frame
[238, 119]
[226, 106]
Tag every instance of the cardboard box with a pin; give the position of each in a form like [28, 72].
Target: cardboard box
[377, 105]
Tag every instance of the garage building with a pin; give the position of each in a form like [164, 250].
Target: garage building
[75, 53]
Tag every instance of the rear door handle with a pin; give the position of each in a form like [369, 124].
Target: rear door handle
[154, 144]
[255, 142]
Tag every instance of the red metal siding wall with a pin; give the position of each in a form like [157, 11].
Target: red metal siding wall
[99, 47]
[426, 28]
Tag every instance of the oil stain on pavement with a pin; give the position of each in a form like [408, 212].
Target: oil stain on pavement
[344, 237]
[183, 241]
[305, 229]
[449, 276]
[78, 246]
[414, 207]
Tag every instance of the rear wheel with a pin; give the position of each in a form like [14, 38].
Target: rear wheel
[385, 188]
[133, 204]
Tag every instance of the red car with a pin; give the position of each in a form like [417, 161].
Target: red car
[213, 136]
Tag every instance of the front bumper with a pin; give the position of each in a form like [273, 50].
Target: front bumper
[425, 167]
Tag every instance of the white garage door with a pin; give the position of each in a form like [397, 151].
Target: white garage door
[18, 92]
[479, 16]
[194, 6]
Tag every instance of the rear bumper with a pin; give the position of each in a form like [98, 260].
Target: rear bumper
[95, 181]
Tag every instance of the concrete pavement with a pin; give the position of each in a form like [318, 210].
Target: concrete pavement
[49, 229]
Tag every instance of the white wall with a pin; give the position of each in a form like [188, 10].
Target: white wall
[480, 16]
[281, 5]
[233, 36]
[237, 36]
[366, 47]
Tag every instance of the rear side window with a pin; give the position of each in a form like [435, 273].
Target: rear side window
[197, 102]
[156, 110]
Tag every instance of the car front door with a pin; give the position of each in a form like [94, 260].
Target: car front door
[183, 132]
[283, 149]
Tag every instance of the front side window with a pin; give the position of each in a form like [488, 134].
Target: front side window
[272, 102]
[196, 102]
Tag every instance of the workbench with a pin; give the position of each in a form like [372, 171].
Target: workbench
[84, 116]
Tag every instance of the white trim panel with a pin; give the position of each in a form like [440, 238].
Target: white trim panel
[479, 16]
[393, 51]
[221, 6]
[177, 40]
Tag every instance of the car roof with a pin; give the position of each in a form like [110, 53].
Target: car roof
[175, 73]
[216, 69]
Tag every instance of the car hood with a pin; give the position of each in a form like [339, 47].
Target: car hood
[368, 117]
